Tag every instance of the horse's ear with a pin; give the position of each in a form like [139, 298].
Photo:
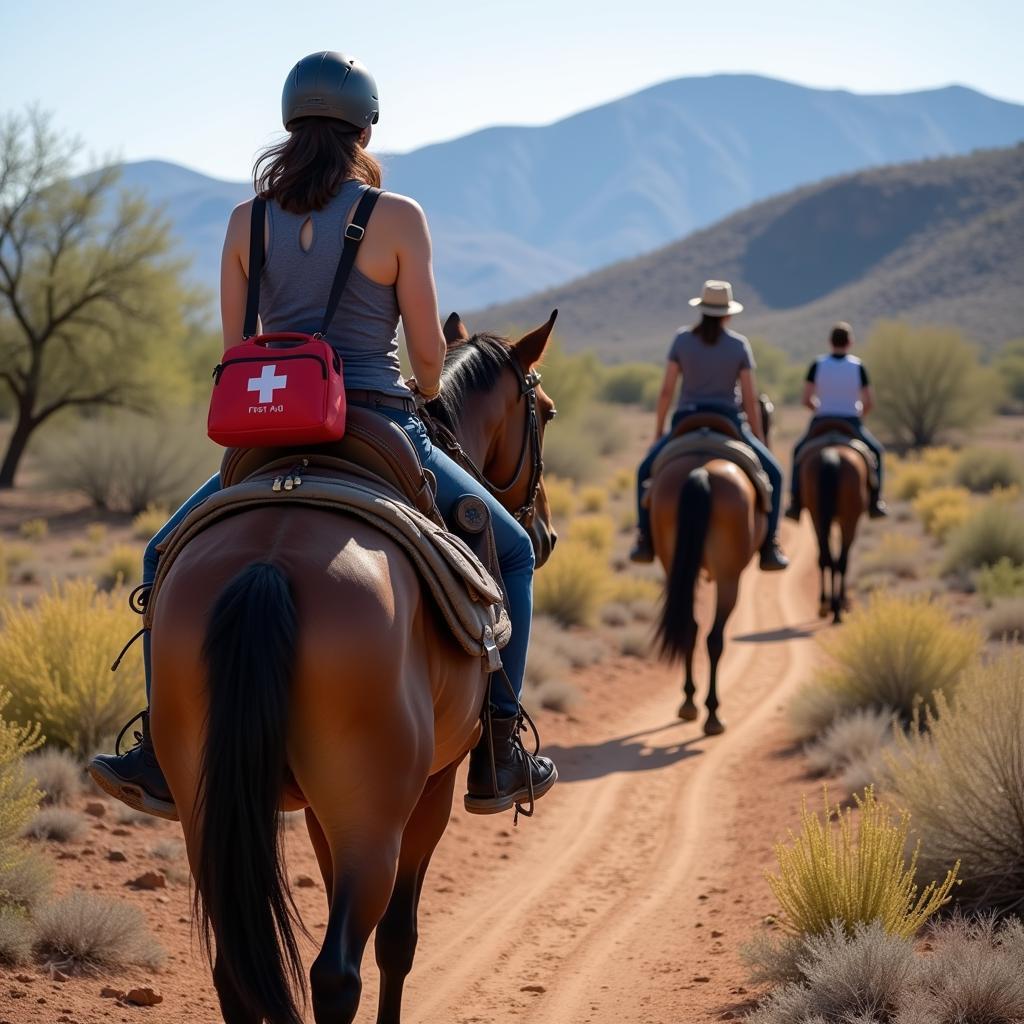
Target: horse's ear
[454, 330]
[530, 347]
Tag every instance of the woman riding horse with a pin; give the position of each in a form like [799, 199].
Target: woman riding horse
[313, 181]
[717, 369]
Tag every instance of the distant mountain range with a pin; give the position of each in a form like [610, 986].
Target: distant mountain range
[517, 209]
[937, 241]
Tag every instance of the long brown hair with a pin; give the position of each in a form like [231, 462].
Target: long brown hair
[305, 171]
[709, 329]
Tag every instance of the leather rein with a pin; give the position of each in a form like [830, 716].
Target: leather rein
[529, 451]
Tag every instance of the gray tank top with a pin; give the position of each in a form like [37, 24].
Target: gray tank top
[296, 284]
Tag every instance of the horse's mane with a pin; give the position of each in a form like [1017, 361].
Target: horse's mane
[470, 368]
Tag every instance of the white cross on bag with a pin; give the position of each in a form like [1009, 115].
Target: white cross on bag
[267, 383]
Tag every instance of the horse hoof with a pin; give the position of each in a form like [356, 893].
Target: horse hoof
[713, 727]
[824, 611]
[688, 711]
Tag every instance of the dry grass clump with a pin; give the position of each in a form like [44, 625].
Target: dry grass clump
[636, 643]
[893, 556]
[89, 933]
[942, 510]
[933, 467]
[572, 587]
[616, 615]
[1005, 621]
[593, 531]
[556, 695]
[57, 775]
[17, 937]
[55, 661]
[27, 880]
[893, 653]
[148, 521]
[1004, 579]
[34, 530]
[96, 533]
[853, 741]
[570, 452]
[576, 648]
[622, 482]
[122, 567]
[994, 532]
[593, 499]
[57, 824]
[561, 497]
[19, 798]
[125, 815]
[963, 782]
[829, 875]
[988, 469]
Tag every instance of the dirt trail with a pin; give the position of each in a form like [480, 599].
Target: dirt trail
[623, 902]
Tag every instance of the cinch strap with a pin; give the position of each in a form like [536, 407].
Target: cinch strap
[354, 233]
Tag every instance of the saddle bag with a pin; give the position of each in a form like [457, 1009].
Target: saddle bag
[284, 389]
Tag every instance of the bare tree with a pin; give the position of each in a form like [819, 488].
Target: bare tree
[89, 288]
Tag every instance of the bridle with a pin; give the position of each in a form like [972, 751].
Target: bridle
[529, 453]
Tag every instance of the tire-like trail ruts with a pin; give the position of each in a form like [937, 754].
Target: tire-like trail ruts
[591, 917]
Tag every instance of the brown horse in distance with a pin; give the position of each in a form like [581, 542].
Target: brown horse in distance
[834, 486]
[704, 515]
[298, 664]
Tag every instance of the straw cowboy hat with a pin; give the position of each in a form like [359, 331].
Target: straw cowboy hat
[717, 300]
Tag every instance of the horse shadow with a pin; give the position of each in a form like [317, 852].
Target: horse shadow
[804, 631]
[628, 753]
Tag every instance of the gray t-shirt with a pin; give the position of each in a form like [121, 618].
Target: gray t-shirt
[711, 372]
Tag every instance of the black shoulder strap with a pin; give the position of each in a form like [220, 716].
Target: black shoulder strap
[353, 236]
[257, 257]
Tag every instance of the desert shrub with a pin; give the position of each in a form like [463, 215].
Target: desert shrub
[576, 647]
[57, 824]
[34, 529]
[1005, 621]
[148, 521]
[570, 452]
[828, 875]
[1009, 365]
[88, 932]
[854, 738]
[773, 959]
[573, 380]
[17, 937]
[169, 849]
[1004, 579]
[594, 532]
[573, 585]
[55, 661]
[630, 590]
[942, 509]
[96, 533]
[988, 469]
[122, 567]
[125, 815]
[544, 664]
[128, 462]
[561, 497]
[615, 614]
[593, 499]
[26, 882]
[973, 974]
[928, 468]
[994, 532]
[778, 377]
[632, 384]
[57, 775]
[19, 797]
[894, 555]
[622, 482]
[556, 695]
[893, 653]
[927, 381]
[962, 782]
[846, 978]
[636, 643]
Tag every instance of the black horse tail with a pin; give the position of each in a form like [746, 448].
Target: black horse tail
[241, 892]
[828, 500]
[692, 521]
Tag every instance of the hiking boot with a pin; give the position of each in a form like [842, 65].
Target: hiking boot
[772, 558]
[878, 508]
[134, 777]
[643, 549]
[794, 510]
[514, 769]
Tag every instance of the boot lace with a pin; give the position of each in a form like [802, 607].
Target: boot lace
[524, 723]
[138, 735]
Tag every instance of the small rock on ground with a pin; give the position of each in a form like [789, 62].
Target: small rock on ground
[96, 808]
[149, 880]
[144, 997]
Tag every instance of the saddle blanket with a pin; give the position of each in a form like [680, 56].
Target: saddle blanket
[838, 439]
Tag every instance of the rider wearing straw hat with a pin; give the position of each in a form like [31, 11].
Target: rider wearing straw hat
[717, 371]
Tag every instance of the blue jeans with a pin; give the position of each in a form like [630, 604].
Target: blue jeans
[768, 462]
[515, 553]
[862, 432]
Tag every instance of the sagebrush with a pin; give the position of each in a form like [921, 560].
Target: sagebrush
[56, 773]
[19, 797]
[573, 585]
[988, 469]
[995, 531]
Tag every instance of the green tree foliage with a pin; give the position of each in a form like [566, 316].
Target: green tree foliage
[1009, 367]
[93, 312]
[927, 381]
[777, 377]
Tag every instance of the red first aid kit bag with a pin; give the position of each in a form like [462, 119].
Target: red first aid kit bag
[283, 389]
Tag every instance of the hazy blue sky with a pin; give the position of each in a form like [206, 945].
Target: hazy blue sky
[199, 82]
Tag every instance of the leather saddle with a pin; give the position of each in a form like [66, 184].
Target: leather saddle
[830, 433]
[715, 436]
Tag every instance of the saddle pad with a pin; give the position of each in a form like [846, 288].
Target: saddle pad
[718, 446]
[837, 439]
[465, 592]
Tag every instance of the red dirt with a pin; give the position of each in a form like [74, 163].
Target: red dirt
[624, 900]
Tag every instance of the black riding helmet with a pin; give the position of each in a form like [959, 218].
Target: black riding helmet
[329, 84]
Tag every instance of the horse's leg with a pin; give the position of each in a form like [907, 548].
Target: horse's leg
[231, 1007]
[728, 590]
[322, 849]
[688, 709]
[397, 932]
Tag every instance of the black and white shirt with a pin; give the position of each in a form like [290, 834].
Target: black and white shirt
[838, 379]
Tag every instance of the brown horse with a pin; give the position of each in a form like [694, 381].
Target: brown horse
[704, 515]
[298, 664]
[834, 487]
